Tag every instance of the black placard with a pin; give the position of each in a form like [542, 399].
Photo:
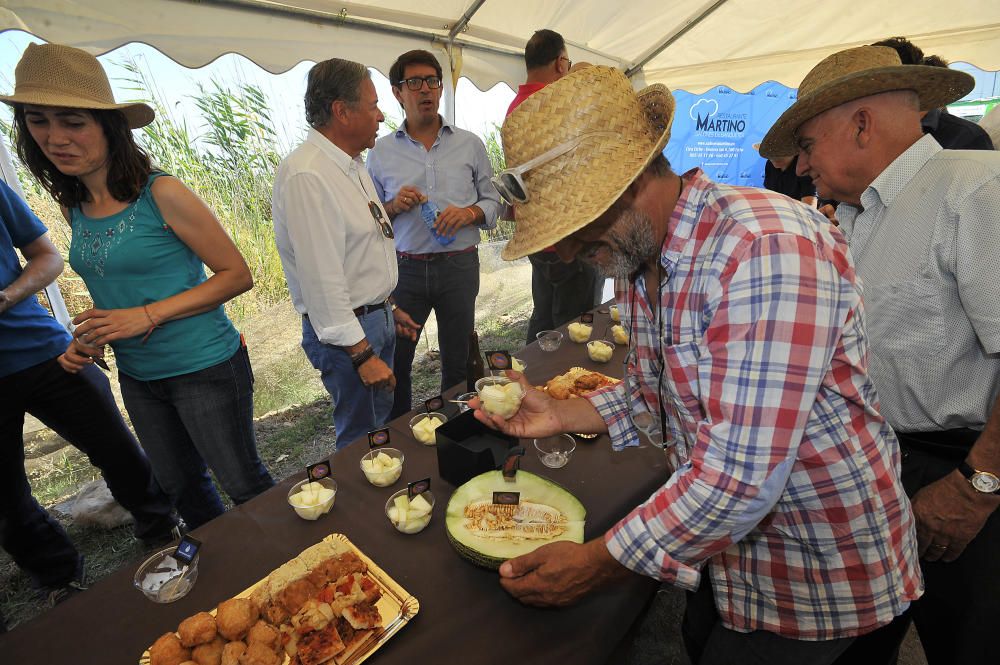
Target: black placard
[434, 404]
[512, 463]
[378, 438]
[507, 498]
[417, 487]
[498, 360]
[318, 471]
[587, 318]
[187, 549]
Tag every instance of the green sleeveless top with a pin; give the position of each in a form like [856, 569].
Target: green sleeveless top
[133, 258]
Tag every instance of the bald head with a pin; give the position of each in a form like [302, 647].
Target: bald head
[845, 148]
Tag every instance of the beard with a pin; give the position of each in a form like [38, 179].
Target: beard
[631, 244]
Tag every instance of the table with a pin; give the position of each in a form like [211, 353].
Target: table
[465, 616]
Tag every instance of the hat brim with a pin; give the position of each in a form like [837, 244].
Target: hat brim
[136, 114]
[613, 165]
[935, 86]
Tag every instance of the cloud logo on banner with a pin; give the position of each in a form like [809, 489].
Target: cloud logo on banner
[708, 108]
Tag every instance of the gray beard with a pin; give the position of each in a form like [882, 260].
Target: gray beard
[634, 247]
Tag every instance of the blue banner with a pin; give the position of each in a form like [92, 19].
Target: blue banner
[717, 131]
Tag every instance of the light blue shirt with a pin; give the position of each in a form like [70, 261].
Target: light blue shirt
[455, 171]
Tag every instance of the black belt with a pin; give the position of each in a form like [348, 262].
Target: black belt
[368, 309]
[953, 444]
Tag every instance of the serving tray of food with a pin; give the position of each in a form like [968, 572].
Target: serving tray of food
[331, 605]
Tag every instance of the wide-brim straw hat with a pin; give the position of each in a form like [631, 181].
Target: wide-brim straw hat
[856, 73]
[57, 75]
[574, 189]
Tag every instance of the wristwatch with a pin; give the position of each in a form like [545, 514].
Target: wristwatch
[983, 482]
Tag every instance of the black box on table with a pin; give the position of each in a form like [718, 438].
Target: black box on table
[467, 448]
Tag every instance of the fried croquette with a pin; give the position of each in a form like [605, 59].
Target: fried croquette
[235, 616]
[274, 613]
[259, 654]
[197, 629]
[231, 653]
[294, 596]
[168, 650]
[209, 653]
[264, 633]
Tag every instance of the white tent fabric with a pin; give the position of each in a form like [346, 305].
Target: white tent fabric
[687, 44]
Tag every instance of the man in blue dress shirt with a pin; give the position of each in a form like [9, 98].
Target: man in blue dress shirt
[429, 164]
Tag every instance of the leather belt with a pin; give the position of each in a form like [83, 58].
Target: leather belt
[368, 309]
[434, 255]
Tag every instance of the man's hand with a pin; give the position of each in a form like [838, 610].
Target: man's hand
[949, 515]
[406, 198]
[537, 416]
[452, 219]
[831, 213]
[376, 374]
[560, 573]
[101, 326]
[405, 326]
[78, 356]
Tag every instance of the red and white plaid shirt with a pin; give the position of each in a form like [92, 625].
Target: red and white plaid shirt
[787, 480]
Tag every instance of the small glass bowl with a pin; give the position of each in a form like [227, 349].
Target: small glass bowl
[313, 512]
[496, 381]
[464, 398]
[555, 451]
[580, 332]
[616, 339]
[594, 348]
[383, 478]
[440, 417]
[162, 578]
[410, 525]
[518, 365]
[549, 340]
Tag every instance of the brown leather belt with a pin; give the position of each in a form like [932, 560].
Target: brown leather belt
[368, 309]
[434, 255]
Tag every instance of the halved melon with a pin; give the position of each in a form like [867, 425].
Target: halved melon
[488, 534]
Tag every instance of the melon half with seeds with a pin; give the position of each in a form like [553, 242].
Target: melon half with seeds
[488, 534]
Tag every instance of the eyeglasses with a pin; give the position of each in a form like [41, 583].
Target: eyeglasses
[385, 226]
[416, 82]
[509, 183]
[569, 63]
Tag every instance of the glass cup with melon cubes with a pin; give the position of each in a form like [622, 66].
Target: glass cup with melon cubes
[410, 515]
[423, 425]
[499, 395]
[382, 466]
[312, 499]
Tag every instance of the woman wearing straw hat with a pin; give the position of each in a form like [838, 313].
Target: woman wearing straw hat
[141, 241]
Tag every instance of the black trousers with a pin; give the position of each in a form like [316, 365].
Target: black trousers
[708, 642]
[958, 616]
[81, 409]
[560, 292]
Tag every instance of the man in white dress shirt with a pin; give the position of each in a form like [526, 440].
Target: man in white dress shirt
[922, 226]
[336, 247]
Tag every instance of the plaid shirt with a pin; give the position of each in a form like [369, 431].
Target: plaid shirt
[787, 478]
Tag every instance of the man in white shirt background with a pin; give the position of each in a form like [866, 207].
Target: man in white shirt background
[336, 247]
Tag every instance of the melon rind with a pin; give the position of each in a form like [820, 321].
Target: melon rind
[490, 553]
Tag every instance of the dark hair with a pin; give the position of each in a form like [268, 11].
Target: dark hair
[934, 61]
[543, 47]
[417, 57]
[909, 53]
[330, 81]
[128, 164]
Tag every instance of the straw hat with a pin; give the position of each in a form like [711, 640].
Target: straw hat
[576, 188]
[57, 75]
[855, 73]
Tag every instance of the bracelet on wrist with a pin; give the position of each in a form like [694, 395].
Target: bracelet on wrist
[153, 325]
[361, 358]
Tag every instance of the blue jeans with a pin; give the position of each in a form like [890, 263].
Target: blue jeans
[186, 421]
[81, 409]
[448, 285]
[357, 409]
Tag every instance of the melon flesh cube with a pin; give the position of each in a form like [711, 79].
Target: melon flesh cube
[393, 514]
[383, 461]
[419, 507]
[324, 495]
[297, 500]
[368, 465]
[402, 506]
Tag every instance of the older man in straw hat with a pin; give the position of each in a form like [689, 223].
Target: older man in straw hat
[747, 363]
[921, 223]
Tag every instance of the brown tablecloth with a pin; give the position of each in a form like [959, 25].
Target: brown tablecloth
[464, 613]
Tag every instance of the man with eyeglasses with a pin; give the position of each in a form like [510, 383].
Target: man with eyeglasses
[336, 247]
[560, 291]
[784, 516]
[428, 165]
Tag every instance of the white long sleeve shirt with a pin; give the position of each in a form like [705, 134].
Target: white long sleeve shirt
[333, 252]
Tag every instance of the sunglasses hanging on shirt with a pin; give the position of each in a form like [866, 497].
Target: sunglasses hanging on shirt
[377, 215]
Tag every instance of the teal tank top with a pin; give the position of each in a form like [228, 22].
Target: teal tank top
[133, 258]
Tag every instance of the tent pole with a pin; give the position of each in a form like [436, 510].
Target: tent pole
[704, 12]
[52, 290]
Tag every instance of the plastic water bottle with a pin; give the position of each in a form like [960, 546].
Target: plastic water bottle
[429, 211]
